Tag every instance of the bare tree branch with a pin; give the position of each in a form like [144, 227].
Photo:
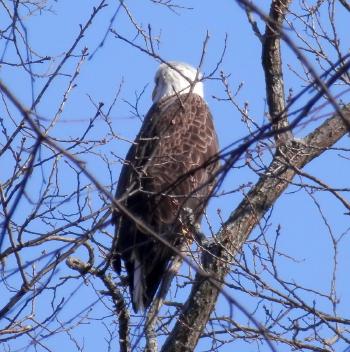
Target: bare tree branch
[241, 222]
[272, 65]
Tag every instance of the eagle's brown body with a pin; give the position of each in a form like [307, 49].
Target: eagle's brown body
[168, 173]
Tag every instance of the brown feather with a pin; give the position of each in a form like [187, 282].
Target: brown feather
[158, 182]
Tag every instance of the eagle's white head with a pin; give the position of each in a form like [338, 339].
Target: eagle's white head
[180, 78]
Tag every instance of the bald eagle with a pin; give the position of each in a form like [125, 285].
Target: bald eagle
[167, 179]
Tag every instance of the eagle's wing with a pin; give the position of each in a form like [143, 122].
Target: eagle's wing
[168, 171]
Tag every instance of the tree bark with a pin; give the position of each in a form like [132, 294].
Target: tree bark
[272, 65]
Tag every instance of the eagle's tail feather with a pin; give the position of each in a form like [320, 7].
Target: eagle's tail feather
[146, 277]
[138, 285]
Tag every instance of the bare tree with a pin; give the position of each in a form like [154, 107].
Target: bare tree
[239, 287]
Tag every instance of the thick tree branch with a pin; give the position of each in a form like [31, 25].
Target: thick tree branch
[242, 221]
[272, 65]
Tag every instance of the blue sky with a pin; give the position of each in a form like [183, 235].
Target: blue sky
[304, 234]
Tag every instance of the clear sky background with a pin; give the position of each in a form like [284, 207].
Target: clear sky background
[304, 233]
